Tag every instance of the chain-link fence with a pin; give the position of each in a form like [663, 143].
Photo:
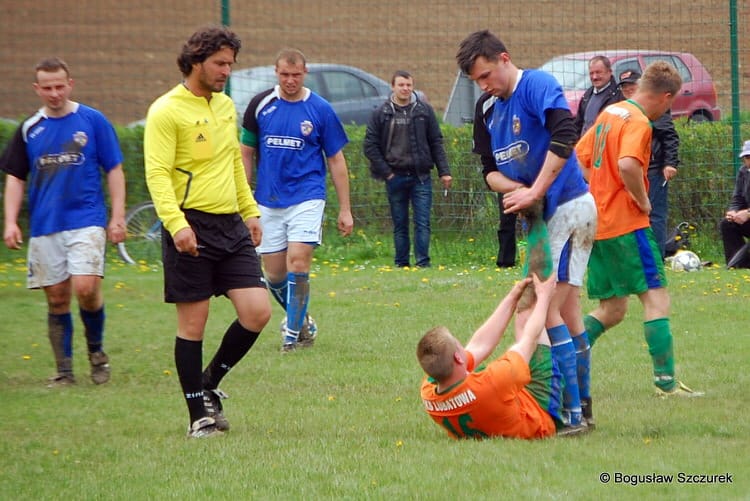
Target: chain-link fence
[122, 55]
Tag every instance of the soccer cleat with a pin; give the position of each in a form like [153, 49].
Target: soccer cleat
[212, 402]
[61, 379]
[203, 428]
[308, 333]
[588, 412]
[679, 390]
[100, 370]
[288, 347]
[570, 430]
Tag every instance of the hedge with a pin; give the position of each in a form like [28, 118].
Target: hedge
[699, 194]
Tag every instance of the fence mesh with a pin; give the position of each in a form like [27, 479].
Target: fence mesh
[122, 55]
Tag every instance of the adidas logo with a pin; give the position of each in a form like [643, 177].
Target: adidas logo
[200, 139]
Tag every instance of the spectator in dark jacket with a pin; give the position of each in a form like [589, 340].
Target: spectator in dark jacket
[403, 143]
[735, 226]
[665, 145]
[603, 92]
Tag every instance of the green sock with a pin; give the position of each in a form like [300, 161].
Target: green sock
[659, 339]
[594, 328]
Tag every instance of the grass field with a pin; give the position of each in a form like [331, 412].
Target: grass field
[343, 420]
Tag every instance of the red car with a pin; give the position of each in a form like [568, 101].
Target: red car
[696, 100]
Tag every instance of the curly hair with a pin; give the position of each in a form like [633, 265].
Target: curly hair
[204, 43]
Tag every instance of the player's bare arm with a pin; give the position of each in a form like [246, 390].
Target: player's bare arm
[340, 178]
[524, 198]
[486, 338]
[256, 230]
[248, 161]
[526, 344]
[499, 183]
[631, 172]
[14, 190]
[116, 231]
[186, 242]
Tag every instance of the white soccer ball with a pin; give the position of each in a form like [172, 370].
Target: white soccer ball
[686, 260]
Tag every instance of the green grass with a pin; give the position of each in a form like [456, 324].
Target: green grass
[343, 420]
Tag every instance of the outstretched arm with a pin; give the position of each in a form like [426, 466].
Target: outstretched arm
[485, 339]
[525, 345]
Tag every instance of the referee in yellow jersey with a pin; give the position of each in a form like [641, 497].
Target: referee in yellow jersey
[211, 221]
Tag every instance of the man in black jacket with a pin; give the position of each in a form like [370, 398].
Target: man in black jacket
[603, 92]
[403, 142]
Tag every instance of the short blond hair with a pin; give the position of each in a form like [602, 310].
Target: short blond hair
[435, 352]
[661, 77]
[291, 56]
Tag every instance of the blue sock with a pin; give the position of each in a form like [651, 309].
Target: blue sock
[565, 353]
[279, 292]
[298, 296]
[583, 364]
[93, 321]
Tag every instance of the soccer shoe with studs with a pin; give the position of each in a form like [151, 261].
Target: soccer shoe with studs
[100, 369]
[679, 390]
[61, 379]
[204, 428]
[212, 402]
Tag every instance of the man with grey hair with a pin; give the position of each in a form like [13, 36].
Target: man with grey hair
[603, 92]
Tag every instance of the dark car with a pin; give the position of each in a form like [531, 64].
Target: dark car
[696, 100]
[352, 92]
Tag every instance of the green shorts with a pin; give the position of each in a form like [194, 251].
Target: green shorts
[625, 265]
[546, 382]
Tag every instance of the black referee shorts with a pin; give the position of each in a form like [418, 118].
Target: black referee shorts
[227, 259]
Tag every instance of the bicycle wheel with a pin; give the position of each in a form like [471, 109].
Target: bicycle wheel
[143, 242]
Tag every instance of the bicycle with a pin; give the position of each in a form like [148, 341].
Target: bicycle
[143, 242]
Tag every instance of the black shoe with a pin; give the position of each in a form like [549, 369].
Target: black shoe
[204, 428]
[212, 402]
[570, 430]
[588, 412]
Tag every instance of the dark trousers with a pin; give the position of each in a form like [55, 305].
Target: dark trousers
[733, 235]
[506, 237]
[402, 190]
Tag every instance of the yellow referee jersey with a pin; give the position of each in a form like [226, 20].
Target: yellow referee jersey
[192, 158]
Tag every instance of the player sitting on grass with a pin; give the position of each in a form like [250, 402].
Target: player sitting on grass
[517, 395]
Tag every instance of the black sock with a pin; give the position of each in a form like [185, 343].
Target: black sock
[236, 343]
[188, 358]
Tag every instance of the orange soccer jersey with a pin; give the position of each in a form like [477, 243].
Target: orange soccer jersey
[491, 402]
[621, 130]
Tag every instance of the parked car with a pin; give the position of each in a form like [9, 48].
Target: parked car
[696, 100]
[352, 92]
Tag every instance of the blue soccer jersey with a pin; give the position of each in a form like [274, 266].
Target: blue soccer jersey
[61, 159]
[520, 141]
[292, 139]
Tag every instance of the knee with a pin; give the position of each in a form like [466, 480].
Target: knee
[88, 296]
[613, 314]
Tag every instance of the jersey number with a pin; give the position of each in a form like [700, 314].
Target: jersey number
[600, 143]
[466, 430]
